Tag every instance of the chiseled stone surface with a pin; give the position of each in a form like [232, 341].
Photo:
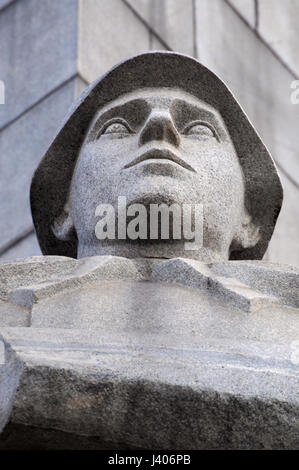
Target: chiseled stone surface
[147, 344]
[175, 146]
[30, 75]
[164, 397]
[199, 275]
[141, 354]
[280, 281]
[10, 372]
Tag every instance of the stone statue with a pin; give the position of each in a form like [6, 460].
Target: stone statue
[125, 335]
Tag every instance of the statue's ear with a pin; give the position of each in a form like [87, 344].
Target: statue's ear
[247, 236]
[63, 227]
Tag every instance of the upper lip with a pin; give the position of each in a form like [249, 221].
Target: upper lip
[159, 153]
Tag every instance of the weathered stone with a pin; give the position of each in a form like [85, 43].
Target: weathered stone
[184, 366]
[10, 372]
[192, 352]
[241, 229]
[196, 274]
[280, 281]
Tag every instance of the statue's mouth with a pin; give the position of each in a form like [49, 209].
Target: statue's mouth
[159, 153]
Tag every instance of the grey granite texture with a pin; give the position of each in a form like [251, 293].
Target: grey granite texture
[230, 172]
[144, 343]
[198, 275]
[145, 347]
[20, 437]
[10, 372]
[280, 281]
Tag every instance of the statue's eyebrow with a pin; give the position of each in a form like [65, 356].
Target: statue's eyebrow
[134, 112]
[184, 112]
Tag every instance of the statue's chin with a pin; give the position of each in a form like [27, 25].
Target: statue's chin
[153, 197]
[158, 190]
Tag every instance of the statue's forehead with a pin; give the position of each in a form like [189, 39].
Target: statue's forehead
[161, 97]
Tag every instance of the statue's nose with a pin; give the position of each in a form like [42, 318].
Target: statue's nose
[159, 126]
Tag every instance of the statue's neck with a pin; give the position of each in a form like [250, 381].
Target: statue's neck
[155, 249]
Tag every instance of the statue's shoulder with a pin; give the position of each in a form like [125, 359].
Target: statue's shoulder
[278, 280]
[245, 285]
[28, 281]
[207, 336]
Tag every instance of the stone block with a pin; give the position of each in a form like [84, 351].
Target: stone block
[38, 50]
[4, 3]
[278, 24]
[22, 145]
[10, 372]
[155, 44]
[198, 275]
[28, 246]
[172, 20]
[78, 353]
[246, 8]
[283, 246]
[83, 379]
[108, 33]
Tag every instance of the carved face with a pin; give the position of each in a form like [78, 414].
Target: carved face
[163, 146]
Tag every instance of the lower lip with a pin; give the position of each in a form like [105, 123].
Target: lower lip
[159, 163]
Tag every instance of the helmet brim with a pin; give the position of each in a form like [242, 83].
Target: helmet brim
[52, 179]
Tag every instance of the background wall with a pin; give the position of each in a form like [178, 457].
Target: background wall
[51, 49]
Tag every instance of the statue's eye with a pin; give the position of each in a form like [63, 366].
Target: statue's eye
[117, 129]
[201, 131]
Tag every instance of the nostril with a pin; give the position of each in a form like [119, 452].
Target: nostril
[173, 136]
[160, 126]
